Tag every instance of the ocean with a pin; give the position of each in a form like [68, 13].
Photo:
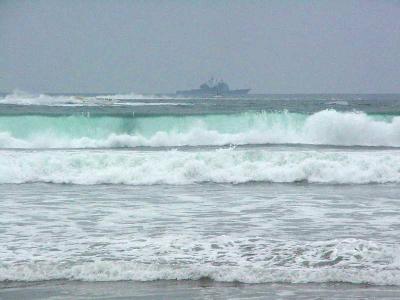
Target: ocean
[162, 197]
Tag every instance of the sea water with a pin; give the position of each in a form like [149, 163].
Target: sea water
[264, 189]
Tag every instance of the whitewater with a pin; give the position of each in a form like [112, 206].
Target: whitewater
[182, 167]
[149, 189]
[327, 127]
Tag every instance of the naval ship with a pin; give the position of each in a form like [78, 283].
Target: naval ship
[213, 88]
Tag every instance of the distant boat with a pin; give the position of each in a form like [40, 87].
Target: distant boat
[213, 88]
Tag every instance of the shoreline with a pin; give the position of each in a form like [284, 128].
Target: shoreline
[187, 289]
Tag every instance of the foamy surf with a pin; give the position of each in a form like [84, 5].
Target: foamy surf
[130, 99]
[308, 195]
[218, 166]
[327, 127]
[246, 260]
[23, 98]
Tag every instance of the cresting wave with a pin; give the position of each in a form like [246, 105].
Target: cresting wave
[23, 98]
[223, 259]
[180, 167]
[327, 127]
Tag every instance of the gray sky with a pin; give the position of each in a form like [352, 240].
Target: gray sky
[162, 46]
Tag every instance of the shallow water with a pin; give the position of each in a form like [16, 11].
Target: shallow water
[202, 289]
[250, 233]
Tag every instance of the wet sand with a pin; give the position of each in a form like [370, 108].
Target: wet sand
[201, 289]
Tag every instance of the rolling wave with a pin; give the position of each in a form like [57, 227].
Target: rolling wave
[217, 166]
[23, 98]
[327, 127]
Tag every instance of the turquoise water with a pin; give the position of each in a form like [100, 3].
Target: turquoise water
[327, 127]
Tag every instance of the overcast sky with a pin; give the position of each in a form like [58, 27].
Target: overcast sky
[162, 46]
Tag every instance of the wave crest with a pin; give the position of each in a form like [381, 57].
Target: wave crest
[18, 97]
[219, 166]
[327, 127]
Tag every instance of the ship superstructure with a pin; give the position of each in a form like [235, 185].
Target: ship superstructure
[213, 87]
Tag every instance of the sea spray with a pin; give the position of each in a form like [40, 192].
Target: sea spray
[19, 97]
[327, 127]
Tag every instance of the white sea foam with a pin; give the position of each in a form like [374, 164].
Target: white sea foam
[327, 127]
[23, 98]
[134, 96]
[220, 166]
[224, 259]
[154, 104]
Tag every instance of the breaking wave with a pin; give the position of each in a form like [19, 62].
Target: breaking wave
[134, 96]
[225, 259]
[180, 167]
[327, 127]
[23, 98]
